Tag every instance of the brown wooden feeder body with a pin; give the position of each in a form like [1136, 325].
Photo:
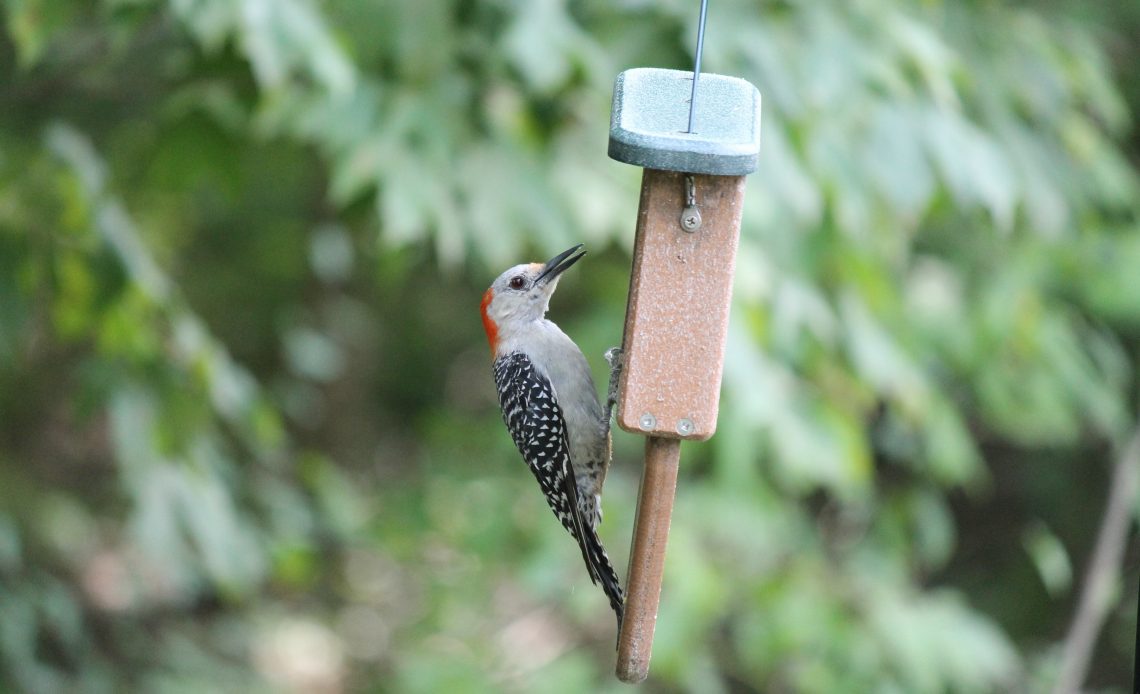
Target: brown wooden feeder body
[679, 296]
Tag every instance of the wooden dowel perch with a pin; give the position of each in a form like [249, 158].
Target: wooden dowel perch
[647, 557]
[688, 225]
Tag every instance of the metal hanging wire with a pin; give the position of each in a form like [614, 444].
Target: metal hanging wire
[697, 63]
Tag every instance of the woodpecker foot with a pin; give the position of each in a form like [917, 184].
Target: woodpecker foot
[616, 359]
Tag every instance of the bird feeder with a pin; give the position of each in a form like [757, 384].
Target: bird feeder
[688, 225]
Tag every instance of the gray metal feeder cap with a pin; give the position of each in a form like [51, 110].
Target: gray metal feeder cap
[651, 114]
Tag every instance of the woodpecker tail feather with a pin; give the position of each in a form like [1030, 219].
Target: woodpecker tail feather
[593, 553]
[601, 570]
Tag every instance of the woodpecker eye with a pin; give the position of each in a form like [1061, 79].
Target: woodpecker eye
[517, 282]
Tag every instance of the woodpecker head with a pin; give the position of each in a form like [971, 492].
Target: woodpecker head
[521, 295]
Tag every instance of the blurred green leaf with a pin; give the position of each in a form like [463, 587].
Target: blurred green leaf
[1050, 558]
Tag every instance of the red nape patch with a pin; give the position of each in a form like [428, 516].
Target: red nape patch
[488, 322]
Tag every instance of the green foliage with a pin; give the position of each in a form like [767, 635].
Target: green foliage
[247, 434]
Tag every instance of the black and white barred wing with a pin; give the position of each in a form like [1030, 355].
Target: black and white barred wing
[535, 421]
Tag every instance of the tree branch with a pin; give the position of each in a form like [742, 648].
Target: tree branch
[1103, 569]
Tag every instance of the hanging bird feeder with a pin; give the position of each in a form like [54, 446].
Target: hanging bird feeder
[696, 136]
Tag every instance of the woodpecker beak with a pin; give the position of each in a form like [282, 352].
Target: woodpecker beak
[558, 264]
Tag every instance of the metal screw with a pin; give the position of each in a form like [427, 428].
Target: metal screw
[647, 422]
[690, 219]
[685, 427]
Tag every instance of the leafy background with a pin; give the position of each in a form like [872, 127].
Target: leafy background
[248, 438]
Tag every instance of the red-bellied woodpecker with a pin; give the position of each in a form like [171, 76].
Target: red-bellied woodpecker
[550, 405]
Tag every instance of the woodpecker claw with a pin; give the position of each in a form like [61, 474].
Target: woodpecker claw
[615, 357]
